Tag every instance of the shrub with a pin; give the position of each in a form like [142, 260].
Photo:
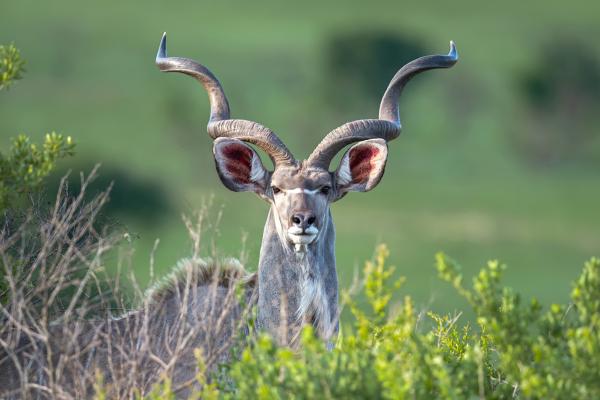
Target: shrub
[26, 165]
[516, 350]
[69, 328]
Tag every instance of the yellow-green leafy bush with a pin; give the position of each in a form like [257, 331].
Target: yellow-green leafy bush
[25, 165]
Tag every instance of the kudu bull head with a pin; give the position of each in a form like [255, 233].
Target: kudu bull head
[297, 277]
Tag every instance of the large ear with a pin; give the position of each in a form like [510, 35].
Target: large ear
[239, 167]
[362, 166]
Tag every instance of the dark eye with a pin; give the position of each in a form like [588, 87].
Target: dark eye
[325, 189]
[275, 189]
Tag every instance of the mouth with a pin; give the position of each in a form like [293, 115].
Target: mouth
[302, 237]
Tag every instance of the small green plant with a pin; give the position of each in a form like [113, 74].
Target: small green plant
[26, 164]
[11, 65]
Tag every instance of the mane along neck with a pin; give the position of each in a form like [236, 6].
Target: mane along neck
[294, 288]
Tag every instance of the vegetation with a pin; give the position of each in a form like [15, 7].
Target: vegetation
[26, 165]
[11, 65]
[517, 349]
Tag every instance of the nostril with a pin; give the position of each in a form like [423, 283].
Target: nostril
[296, 220]
[310, 221]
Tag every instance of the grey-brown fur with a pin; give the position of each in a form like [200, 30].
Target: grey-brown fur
[199, 272]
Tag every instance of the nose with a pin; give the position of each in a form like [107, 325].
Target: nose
[303, 219]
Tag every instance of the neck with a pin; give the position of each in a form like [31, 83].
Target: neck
[297, 287]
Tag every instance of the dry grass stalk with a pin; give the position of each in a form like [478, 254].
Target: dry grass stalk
[63, 322]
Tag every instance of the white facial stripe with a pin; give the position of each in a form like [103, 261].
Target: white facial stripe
[300, 190]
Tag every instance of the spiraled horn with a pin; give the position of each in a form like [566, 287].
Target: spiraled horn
[220, 124]
[388, 125]
[219, 107]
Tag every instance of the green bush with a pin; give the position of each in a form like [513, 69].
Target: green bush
[24, 167]
[517, 350]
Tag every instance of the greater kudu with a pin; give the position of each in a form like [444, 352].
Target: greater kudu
[297, 279]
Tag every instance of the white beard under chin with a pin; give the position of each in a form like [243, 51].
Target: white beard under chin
[300, 249]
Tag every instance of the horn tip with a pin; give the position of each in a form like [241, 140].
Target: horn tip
[162, 48]
[453, 53]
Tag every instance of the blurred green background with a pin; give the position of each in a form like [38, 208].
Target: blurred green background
[499, 156]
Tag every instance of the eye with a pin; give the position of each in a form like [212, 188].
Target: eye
[275, 189]
[325, 189]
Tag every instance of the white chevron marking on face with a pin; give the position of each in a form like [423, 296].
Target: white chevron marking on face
[300, 190]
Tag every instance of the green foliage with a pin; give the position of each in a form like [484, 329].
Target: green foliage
[517, 350]
[26, 165]
[161, 391]
[552, 354]
[11, 65]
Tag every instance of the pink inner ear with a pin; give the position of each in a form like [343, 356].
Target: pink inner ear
[238, 162]
[360, 162]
